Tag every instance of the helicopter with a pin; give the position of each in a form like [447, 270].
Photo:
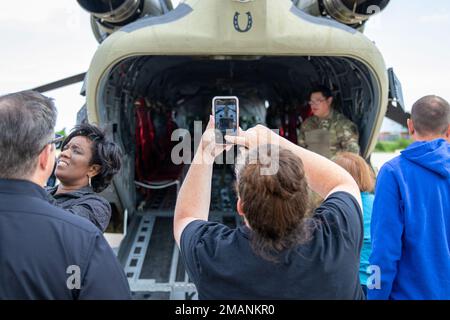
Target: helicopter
[157, 69]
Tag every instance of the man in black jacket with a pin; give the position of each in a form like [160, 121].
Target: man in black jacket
[45, 252]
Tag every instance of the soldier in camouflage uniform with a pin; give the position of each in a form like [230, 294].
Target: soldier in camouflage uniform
[327, 132]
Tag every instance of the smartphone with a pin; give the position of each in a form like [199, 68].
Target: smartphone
[226, 117]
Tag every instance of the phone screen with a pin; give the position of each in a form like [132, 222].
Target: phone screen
[226, 117]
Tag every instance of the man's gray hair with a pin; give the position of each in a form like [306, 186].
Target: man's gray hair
[431, 115]
[27, 122]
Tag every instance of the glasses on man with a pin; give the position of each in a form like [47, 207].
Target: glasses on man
[57, 141]
[316, 102]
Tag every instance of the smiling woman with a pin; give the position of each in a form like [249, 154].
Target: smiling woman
[86, 165]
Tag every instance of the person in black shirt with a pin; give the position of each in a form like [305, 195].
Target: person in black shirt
[281, 252]
[45, 252]
[86, 165]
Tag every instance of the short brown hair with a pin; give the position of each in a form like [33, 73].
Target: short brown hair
[358, 169]
[276, 205]
[431, 115]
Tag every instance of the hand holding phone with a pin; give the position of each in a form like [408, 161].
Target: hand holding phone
[226, 117]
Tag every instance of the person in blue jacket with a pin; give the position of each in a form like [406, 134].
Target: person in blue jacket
[411, 214]
[45, 252]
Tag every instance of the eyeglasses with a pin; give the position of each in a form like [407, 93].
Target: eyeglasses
[57, 141]
[59, 138]
[315, 102]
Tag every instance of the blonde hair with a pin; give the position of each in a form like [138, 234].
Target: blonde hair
[358, 168]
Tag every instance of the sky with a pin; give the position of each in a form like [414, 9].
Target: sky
[47, 40]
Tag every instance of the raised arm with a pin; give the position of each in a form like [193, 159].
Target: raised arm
[324, 176]
[195, 194]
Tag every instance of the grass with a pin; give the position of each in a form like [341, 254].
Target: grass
[392, 146]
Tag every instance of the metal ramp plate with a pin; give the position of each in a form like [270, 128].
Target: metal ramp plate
[153, 266]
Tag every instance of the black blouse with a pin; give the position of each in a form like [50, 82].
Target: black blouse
[85, 203]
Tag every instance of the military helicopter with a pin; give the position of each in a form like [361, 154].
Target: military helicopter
[157, 68]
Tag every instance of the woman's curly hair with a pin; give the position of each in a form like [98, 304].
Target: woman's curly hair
[105, 153]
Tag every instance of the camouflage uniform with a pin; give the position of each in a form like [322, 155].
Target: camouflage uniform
[343, 133]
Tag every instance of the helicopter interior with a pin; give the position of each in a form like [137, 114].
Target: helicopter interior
[146, 98]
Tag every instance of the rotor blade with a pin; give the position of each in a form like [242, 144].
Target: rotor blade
[398, 115]
[60, 83]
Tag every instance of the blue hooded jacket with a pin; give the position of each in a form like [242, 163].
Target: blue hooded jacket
[411, 224]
